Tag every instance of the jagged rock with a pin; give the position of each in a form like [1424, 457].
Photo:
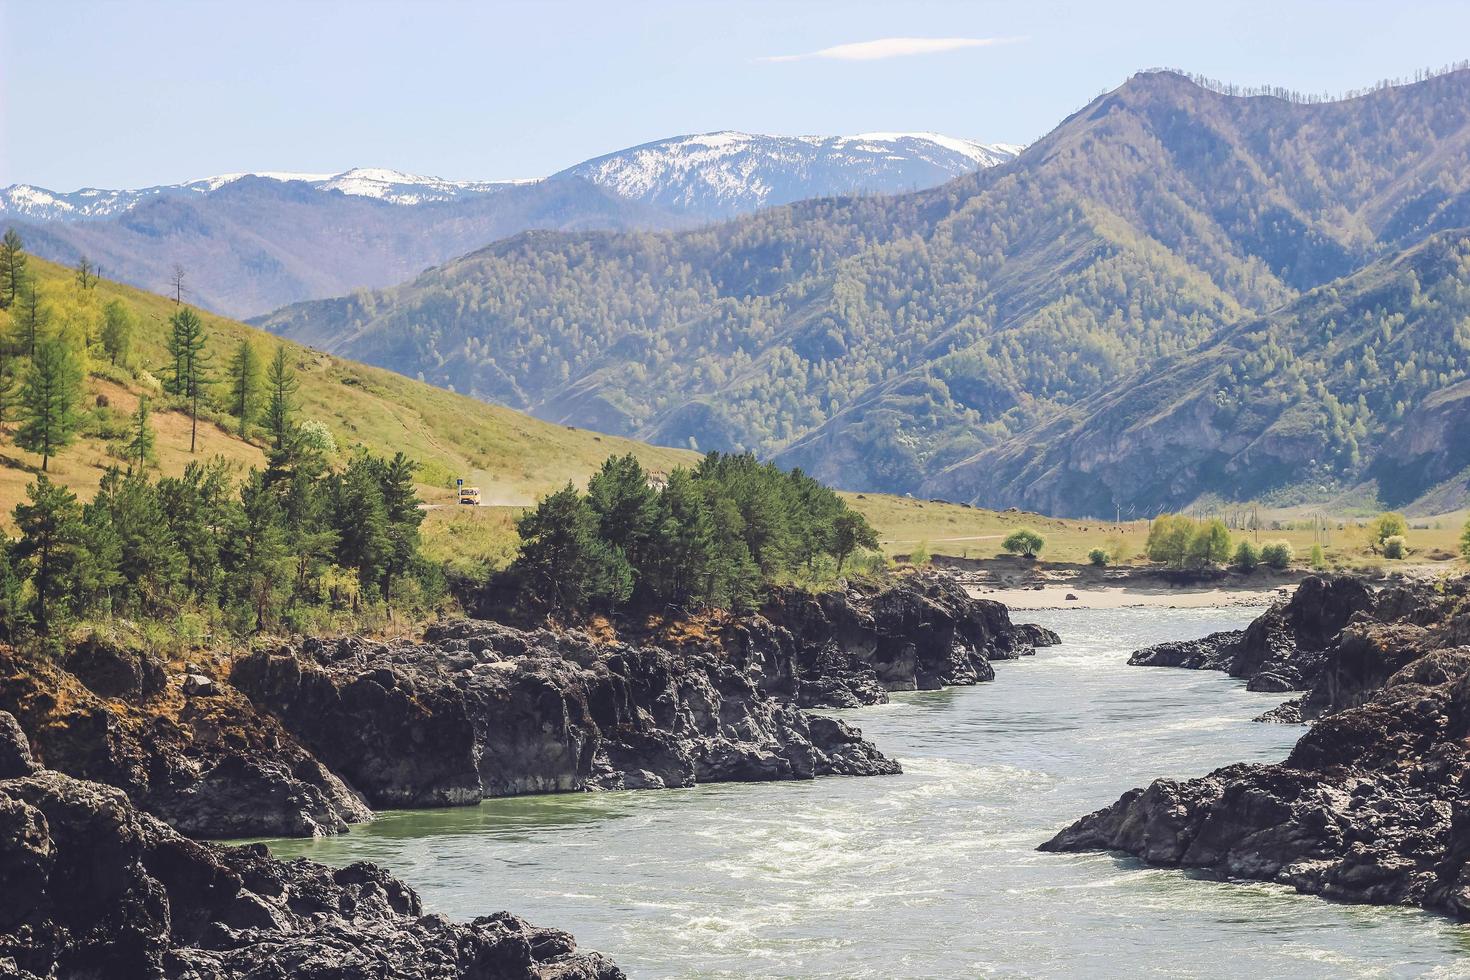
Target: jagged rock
[95, 888]
[1371, 804]
[852, 647]
[1284, 647]
[211, 766]
[115, 672]
[15, 748]
[479, 709]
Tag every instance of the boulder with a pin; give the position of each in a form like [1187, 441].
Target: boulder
[96, 888]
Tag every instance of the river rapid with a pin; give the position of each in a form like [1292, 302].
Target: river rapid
[933, 873]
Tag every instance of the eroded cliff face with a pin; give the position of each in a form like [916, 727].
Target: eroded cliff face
[96, 888]
[187, 748]
[478, 709]
[1372, 805]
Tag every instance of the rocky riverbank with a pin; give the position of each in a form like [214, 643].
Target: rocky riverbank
[1373, 803]
[94, 887]
[306, 739]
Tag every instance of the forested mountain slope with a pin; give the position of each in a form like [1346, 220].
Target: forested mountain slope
[1359, 386]
[877, 341]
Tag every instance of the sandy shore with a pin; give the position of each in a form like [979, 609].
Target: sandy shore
[1124, 597]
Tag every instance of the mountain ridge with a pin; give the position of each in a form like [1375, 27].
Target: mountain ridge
[877, 342]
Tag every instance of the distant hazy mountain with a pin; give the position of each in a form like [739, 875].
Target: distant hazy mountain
[252, 242]
[728, 173]
[1176, 292]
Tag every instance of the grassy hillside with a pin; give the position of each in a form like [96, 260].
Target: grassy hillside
[510, 456]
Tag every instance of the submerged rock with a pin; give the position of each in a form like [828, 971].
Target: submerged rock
[1373, 803]
[95, 888]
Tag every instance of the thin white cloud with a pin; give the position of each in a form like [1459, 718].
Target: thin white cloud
[893, 47]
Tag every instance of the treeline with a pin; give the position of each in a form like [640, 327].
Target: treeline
[1182, 542]
[275, 549]
[715, 535]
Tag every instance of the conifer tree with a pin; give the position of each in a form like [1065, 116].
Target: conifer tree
[117, 331]
[361, 518]
[86, 274]
[8, 370]
[258, 558]
[49, 400]
[281, 387]
[563, 561]
[626, 506]
[244, 377]
[50, 543]
[187, 343]
[32, 319]
[15, 614]
[140, 437]
[12, 268]
[401, 506]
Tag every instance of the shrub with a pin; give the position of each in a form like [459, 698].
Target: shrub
[1465, 541]
[1318, 560]
[1098, 557]
[1024, 542]
[1277, 554]
[1246, 556]
[1210, 543]
[316, 435]
[920, 555]
[1394, 546]
[1385, 526]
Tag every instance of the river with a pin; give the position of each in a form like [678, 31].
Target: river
[933, 873]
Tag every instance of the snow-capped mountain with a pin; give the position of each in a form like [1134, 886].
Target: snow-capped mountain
[91, 203]
[727, 173]
[253, 242]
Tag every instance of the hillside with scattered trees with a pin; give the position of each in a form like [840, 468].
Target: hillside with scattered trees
[877, 342]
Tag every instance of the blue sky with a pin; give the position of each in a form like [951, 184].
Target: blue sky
[132, 93]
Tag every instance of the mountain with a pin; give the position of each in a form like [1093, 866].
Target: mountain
[253, 242]
[880, 342]
[29, 202]
[719, 175]
[1355, 390]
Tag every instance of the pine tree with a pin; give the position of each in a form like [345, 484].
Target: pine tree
[15, 614]
[12, 268]
[850, 531]
[562, 561]
[186, 346]
[401, 505]
[682, 540]
[258, 561]
[244, 376]
[141, 438]
[86, 274]
[8, 370]
[50, 544]
[149, 559]
[117, 331]
[96, 575]
[310, 535]
[626, 506]
[200, 514]
[281, 386]
[360, 516]
[49, 400]
[31, 323]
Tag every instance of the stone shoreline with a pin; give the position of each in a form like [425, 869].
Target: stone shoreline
[1373, 803]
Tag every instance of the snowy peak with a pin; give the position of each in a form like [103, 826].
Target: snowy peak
[708, 175]
[90, 203]
[728, 172]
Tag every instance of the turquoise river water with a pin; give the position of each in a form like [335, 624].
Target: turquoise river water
[933, 873]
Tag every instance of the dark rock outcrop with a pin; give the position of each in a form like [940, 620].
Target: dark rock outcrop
[95, 888]
[848, 648]
[1283, 649]
[1373, 803]
[478, 709]
[198, 756]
